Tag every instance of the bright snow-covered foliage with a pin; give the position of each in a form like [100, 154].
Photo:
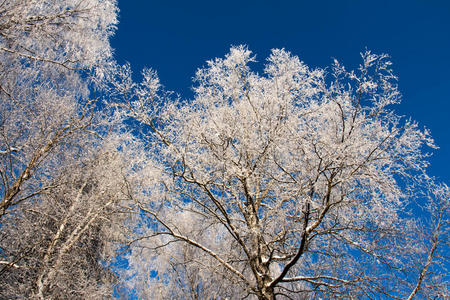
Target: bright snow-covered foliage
[294, 182]
[47, 50]
[298, 183]
[60, 178]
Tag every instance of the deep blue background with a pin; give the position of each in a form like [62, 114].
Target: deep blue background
[177, 37]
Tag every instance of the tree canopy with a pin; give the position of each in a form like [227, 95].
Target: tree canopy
[291, 183]
[298, 182]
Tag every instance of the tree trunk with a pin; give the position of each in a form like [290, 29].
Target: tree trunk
[267, 294]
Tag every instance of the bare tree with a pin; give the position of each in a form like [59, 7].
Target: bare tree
[293, 184]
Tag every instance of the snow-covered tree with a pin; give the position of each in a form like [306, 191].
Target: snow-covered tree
[60, 245]
[48, 50]
[60, 181]
[297, 183]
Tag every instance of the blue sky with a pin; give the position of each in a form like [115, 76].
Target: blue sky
[177, 37]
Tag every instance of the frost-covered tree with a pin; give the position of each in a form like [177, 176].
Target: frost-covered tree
[70, 33]
[293, 183]
[59, 246]
[296, 183]
[48, 50]
[57, 197]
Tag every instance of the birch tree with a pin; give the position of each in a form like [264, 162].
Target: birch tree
[296, 183]
[57, 200]
[48, 49]
[60, 245]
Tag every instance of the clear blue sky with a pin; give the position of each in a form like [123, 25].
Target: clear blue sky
[177, 37]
